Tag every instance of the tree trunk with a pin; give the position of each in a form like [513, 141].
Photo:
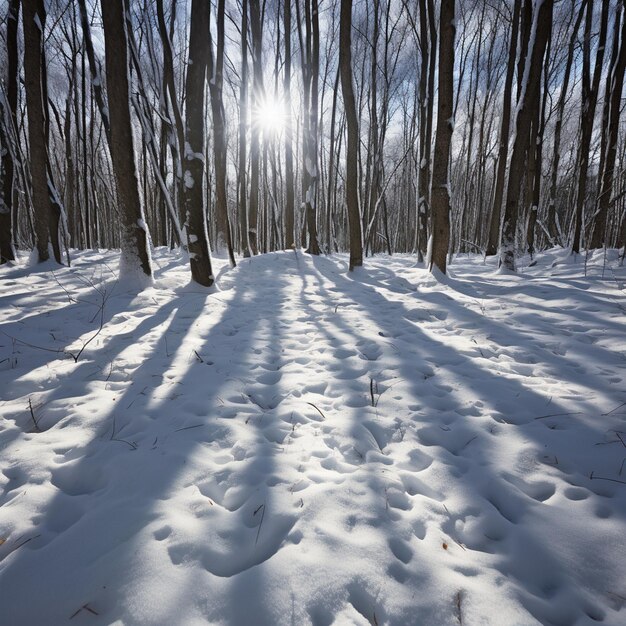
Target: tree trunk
[243, 123]
[289, 178]
[527, 101]
[310, 79]
[7, 167]
[352, 180]
[34, 19]
[193, 194]
[440, 186]
[589, 96]
[505, 123]
[135, 258]
[257, 99]
[553, 228]
[331, 165]
[95, 70]
[616, 82]
[216, 73]
[177, 143]
[425, 125]
[536, 151]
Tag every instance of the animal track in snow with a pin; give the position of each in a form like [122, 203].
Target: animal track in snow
[576, 493]
[401, 549]
[76, 479]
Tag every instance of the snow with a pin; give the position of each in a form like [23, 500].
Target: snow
[188, 180]
[131, 276]
[312, 446]
[311, 167]
[190, 155]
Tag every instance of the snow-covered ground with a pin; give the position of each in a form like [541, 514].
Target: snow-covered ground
[305, 446]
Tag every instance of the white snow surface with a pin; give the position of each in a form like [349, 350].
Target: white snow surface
[310, 446]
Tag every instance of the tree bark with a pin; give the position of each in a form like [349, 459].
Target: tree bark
[289, 178]
[310, 80]
[352, 180]
[589, 96]
[177, 142]
[193, 193]
[257, 99]
[216, 73]
[7, 167]
[440, 186]
[505, 123]
[34, 19]
[427, 48]
[135, 258]
[553, 227]
[95, 70]
[542, 25]
[607, 173]
[243, 124]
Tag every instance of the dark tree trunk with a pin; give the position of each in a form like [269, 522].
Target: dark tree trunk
[289, 178]
[526, 107]
[440, 187]
[135, 258]
[193, 195]
[331, 165]
[536, 151]
[175, 120]
[95, 70]
[310, 79]
[257, 99]
[425, 126]
[34, 19]
[7, 166]
[616, 82]
[505, 123]
[243, 123]
[216, 73]
[553, 228]
[352, 180]
[589, 96]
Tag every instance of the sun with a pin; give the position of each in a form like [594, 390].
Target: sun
[269, 115]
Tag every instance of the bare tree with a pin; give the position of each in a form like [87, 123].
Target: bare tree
[553, 226]
[46, 219]
[94, 67]
[428, 54]
[135, 259]
[170, 98]
[8, 121]
[352, 181]
[216, 82]
[615, 85]
[243, 123]
[505, 122]
[258, 94]
[289, 179]
[310, 61]
[195, 112]
[526, 106]
[590, 86]
[440, 185]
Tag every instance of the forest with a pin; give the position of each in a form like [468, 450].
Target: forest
[269, 125]
[312, 312]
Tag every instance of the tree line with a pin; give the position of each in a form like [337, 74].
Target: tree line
[366, 126]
